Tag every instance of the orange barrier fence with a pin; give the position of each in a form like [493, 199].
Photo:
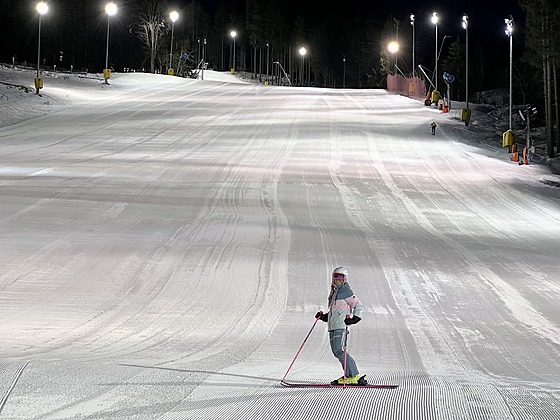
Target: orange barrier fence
[413, 87]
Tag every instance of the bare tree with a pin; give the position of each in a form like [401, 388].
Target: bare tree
[151, 28]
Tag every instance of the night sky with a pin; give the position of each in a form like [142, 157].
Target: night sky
[486, 16]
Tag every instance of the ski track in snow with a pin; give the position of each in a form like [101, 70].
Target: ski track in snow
[167, 242]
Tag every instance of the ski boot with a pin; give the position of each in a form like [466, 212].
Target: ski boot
[352, 380]
[362, 380]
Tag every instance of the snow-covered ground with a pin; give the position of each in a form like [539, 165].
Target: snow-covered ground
[165, 244]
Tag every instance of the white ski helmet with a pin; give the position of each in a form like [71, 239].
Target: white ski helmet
[341, 270]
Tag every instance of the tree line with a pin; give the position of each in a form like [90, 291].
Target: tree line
[538, 80]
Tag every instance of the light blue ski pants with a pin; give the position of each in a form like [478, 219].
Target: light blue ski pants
[336, 338]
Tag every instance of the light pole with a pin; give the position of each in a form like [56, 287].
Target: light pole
[267, 60]
[302, 52]
[412, 20]
[203, 58]
[41, 8]
[509, 33]
[233, 34]
[343, 71]
[435, 20]
[466, 28]
[111, 10]
[393, 48]
[173, 16]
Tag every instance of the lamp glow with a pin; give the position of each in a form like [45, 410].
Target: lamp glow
[111, 9]
[435, 18]
[42, 7]
[509, 27]
[393, 47]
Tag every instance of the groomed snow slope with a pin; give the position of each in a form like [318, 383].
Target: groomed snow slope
[165, 244]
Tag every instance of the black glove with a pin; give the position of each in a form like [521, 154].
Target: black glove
[322, 316]
[351, 321]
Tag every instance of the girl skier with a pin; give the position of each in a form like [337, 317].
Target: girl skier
[344, 309]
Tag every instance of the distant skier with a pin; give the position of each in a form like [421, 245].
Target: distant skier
[342, 304]
[433, 126]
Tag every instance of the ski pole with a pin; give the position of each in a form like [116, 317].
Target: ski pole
[302, 344]
[345, 352]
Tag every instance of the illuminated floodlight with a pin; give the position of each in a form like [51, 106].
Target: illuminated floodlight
[393, 47]
[173, 16]
[465, 22]
[111, 9]
[509, 26]
[42, 7]
[435, 18]
[302, 51]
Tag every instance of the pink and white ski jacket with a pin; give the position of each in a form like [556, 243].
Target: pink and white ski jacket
[344, 303]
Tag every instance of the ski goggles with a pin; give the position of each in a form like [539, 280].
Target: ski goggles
[337, 276]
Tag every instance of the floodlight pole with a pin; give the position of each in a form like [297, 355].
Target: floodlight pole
[435, 22]
[466, 26]
[397, 41]
[41, 8]
[302, 52]
[509, 33]
[110, 9]
[267, 59]
[171, 47]
[39, 46]
[233, 34]
[173, 16]
[412, 20]
[343, 71]
[203, 58]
